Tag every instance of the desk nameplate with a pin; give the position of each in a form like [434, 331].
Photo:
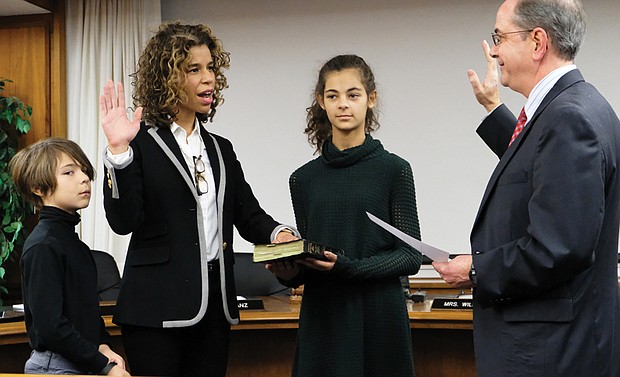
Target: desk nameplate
[452, 303]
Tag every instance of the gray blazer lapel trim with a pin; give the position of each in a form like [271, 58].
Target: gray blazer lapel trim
[201, 236]
[221, 190]
[162, 144]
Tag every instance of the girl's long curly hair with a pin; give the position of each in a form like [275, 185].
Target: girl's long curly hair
[162, 70]
[319, 128]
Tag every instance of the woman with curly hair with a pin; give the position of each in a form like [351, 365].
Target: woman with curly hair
[353, 319]
[179, 190]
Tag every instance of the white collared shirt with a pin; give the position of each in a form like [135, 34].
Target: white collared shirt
[193, 146]
[543, 88]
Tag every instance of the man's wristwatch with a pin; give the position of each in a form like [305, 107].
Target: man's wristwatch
[472, 275]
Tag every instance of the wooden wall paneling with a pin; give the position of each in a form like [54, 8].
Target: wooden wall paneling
[27, 63]
[35, 60]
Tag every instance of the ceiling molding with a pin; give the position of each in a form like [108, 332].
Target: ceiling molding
[22, 7]
[45, 4]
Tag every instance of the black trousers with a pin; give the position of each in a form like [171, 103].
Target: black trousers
[195, 351]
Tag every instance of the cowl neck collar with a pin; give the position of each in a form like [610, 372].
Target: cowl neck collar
[339, 159]
[57, 214]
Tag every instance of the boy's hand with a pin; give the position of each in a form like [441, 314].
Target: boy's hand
[119, 369]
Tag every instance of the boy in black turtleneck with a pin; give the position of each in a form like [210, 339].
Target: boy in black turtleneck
[59, 276]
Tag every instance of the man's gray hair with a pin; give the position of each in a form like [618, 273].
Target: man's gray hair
[563, 20]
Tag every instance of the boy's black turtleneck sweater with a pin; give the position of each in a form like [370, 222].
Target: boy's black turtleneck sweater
[59, 284]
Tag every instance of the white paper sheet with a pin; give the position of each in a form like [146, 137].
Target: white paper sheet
[434, 253]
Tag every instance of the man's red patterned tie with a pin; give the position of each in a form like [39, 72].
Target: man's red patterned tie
[519, 127]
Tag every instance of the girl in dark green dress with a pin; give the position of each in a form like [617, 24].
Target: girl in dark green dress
[353, 319]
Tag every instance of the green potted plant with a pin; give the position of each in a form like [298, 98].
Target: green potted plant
[14, 122]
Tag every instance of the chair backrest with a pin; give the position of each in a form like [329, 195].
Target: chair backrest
[108, 277]
[252, 279]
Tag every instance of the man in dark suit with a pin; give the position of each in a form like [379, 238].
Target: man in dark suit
[545, 240]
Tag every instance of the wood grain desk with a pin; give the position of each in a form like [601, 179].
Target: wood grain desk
[279, 313]
[263, 343]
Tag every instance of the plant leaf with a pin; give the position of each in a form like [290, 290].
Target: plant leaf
[22, 125]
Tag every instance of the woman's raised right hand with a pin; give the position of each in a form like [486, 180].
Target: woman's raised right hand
[118, 129]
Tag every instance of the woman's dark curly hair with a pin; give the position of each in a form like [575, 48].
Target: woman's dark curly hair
[319, 128]
[163, 66]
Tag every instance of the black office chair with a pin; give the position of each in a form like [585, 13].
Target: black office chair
[108, 277]
[252, 279]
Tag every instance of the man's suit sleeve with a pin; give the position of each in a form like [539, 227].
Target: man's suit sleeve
[496, 129]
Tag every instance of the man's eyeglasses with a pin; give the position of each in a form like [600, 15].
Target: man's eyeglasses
[202, 187]
[497, 37]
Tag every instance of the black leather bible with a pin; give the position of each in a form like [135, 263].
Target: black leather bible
[272, 252]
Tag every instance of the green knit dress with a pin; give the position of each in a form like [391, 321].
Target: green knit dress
[353, 319]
